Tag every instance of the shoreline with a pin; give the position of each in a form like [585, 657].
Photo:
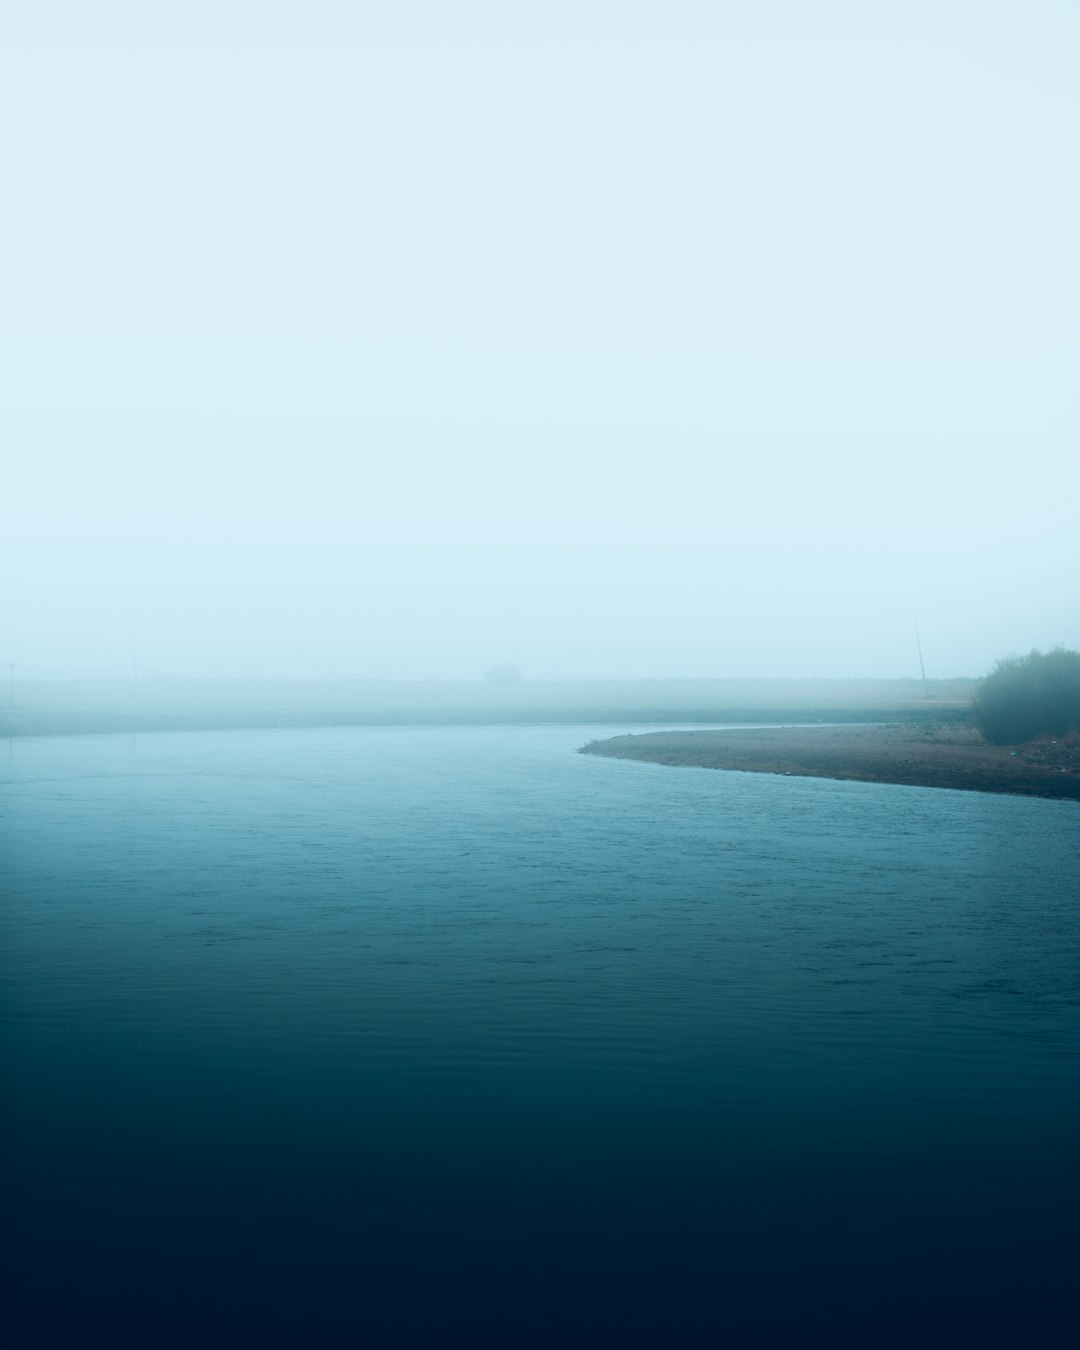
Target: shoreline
[942, 756]
[34, 723]
[81, 707]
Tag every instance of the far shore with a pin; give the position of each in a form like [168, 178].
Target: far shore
[941, 756]
[80, 707]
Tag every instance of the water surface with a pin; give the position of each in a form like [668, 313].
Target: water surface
[418, 1036]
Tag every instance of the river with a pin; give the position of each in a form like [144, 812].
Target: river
[427, 1036]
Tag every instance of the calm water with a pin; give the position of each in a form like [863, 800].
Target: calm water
[437, 1037]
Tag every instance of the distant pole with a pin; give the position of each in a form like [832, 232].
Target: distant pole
[922, 667]
[11, 692]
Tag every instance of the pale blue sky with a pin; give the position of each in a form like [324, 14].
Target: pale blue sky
[609, 339]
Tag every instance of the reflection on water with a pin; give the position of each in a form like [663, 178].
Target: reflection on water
[407, 1036]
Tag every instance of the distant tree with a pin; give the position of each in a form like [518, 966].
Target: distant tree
[1028, 696]
[504, 674]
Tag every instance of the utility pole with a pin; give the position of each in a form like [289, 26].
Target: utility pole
[922, 667]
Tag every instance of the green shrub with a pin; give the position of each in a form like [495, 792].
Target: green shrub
[1028, 696]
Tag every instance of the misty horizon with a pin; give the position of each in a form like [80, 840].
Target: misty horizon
[407, 346]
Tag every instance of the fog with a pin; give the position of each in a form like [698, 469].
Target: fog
[607, 340]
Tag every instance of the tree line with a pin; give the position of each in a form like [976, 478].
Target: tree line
[1028, 696]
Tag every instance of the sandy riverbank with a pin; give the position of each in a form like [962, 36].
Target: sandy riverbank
[942, 756]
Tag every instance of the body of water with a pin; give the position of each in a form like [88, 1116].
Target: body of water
[387, 1036]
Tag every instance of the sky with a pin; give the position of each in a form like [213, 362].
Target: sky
[613, 340]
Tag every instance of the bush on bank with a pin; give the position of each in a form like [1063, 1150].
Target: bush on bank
[1028, 696]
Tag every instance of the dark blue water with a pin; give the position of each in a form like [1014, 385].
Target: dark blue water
[438, 1037]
